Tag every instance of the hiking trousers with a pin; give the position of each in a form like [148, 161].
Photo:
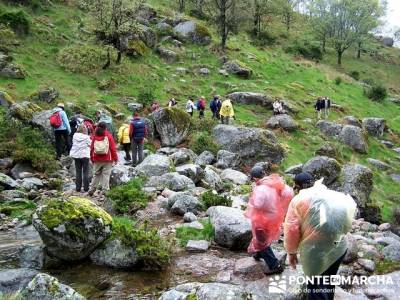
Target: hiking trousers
[101, 175]
[225, 120]
[127, 149]
[137, 152]
[82, 174]
[269, 257]
[62, 142]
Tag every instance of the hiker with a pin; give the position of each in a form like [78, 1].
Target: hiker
[214, 107]
[172, 102]
[80, 152]
[60, 124]
[278, 107]
[103, 155]
[155, 106]
[102, 117]
[219, 104]
[315, 227]
[190, 106]
[124, 139]
[267, 207]
[327, 107]
[137, 134]
[302, 181]
[201, 106]
[319, 106]
[76, 120]
[227, 111]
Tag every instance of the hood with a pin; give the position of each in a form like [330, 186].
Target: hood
[56, 109]
[80, 137]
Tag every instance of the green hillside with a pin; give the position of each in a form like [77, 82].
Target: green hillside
[60, 27]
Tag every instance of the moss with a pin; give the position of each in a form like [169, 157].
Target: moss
[180, 118]
[202, 141]
[4, 95]
[184, 233]
[24, 111]
[74, 209]
[202, 31]
[21, 210]
[387, 266]
[211, 198]
[137, 48]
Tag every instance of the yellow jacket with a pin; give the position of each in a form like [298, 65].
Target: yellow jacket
[123, 134]
[227, 109]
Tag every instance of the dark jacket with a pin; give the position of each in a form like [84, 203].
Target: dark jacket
[138, 130]
[213, 105]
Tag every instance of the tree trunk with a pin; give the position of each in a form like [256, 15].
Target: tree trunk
[324, 45]
[224, 32]
[339, 57]
[359, 50]
[181, 6]
[118, 61]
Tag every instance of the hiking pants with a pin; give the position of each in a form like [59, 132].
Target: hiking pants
[269, 257]
[127, 149]
[324, 291]
[137, 152]
[190, 113]
[215, 114]
[225, 120]
[62, 142]
[82, 172]
[201, 114]
[101, 175]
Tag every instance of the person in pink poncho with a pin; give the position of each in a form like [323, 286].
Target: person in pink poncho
[266, 209]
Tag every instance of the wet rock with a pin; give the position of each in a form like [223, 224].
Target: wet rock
[329, 129]
[197, 246]
[392, 252]
[226, 159]
[205, 158]
[350, 120]
[46, 287]
[232, 229]
[7, 182]
[72, 229]
[378, 164]
[6, 163]
[353, 137]
[183, 156]
[173, 181]
[367, 264]
[154, 165]
[323, 167]
[32, 183]
[184, 203]
[13, 280]
[21, 167]
[374, 126]
[202, 264]
[212, 179]
[236, 68]
[283, 121]
[114, 253]
[234, 176]
[191, 171]
[294, 170]
[251, 98]
[189, 217]
[36, 257]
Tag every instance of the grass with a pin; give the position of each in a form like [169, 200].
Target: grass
[22, 209]
[211, 198]
[386, 266]
[184, 234]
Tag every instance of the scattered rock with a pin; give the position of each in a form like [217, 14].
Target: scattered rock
[191, 171]
[114, 253]
[212, 179]
[46, 95]
[173, 181]
[226, 159]
[183, 156]
[374, 126]
[367, 264]
[388, 144]
[205, 158]
[251, 98]
[329, 129]
[154, 165]
[384, 227]
[378, 164]
[197, 246]
[237, 68]
[234, 176]
[326, 150]
[6, 163]
[32, 183]
[283, 121]
[395, 177]
[135, 107]
[323, 166]
[350, 120]
[353, 137]
[193, 32]
[21, 167]
[184, 203]
[121, 174]
[392, 252]
[168, 55]
[13, 280]
[189, 217]
[204, 71]
[294, 170]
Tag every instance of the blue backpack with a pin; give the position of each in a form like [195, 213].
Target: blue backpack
[139, 129]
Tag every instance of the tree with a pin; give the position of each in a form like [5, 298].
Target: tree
[319, 12]
[181, 4]
[260, 8]
[112, 20]
[288, 8]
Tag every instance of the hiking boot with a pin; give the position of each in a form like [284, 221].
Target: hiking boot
[91, 193]
[277, 270]
[256, 256]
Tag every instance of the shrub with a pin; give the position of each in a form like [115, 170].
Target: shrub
[355, 75]
[202, 124]
[202, 141]
[7, 37]
[376, 92]
[137, 48]
[338, 80]
[128, 198]
[264, 38]
[21, 209]
[152, 250]
[17, 20]
[146, 96]
[184, 233]
[306, 49]
[211, 198]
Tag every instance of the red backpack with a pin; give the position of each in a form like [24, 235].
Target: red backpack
[56, 120]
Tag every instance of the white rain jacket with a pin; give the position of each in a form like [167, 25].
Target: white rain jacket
[80, 146]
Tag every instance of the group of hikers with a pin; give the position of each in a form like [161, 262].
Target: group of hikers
[315, 223]
[322, 107]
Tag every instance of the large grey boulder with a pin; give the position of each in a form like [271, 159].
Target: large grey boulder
[205, 158]
[172, 124]
[21, 167]
[392, 252]
[232, 228]
[226, 159]
[154, 165]
[121, 174]
[237, 68]
[36, 257]
[71, 229]
[114, 253]
[234, 176]
[32, 183]
[191, 171]
[329, 129]
[46, 287]
[282, 121]
[183, 156]
[353, 137]
[173, 181]
[214, 291]
[6, 182]
[358, 183]
[374, 126]
[184, 203]
[13, 280]
[251, 144]
[40, 120]
[190, 31]
[251, 98]
[212, 178]
[323, 166]
[351, 120]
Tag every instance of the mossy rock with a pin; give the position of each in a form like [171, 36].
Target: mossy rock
[137, 48]
[71, 229]
[5, 99]
[23, 111]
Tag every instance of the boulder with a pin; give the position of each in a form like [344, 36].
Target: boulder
[145, 12]
[172, 124]
[235, 176]
[10, 70]
[323, 166]
[204, 71]
[36, 257]
[21, 167]
[6, 182]
[374, 126]
[387, 144]
[182, 203]
[71, 229]
[232, 228]
[32, 183]
[294, 170]
[352, 249]
[189, 217]
[6, 163]
[212, 179]
[251, 144]
[121, 174]
[283, 121]
[147, 35]
[40, 120]
[251, 98]
[326, 150]
[226, 159]
[367, 264]
[135, 107]
[358, 183]
[238, 68]
[166, 54]
[10, 195]
[378, 164]
[392, 252]
[183, 156]
[154, 165]
[350, 120]
[193, 32]
[205, 158]
[47, 95]
[5, 99]
[329, 129]
[46, 287]
[387, 286]
[114, 253]
[173, 181]
[197, 246]
[191, 171]
[23, 111]
[13, 280]
[353, 137]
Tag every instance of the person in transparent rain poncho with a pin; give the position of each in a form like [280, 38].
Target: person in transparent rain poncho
[266, 209]
[315, 227]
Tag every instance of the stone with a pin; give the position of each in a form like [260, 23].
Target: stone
[47, 95]
[185, 203]
[114, 253]
[211, 179]
[294, 170]
[232, 228]
[204, 71]
[183, 156]
[193, 32]
[174, 295]
[21, 167]
[71, 229]
[215, 291]
[282, 121]
[172, 124]
[367, 264]
[251, 98]
[392, 252]
[154, 165]
[195, 225]
[135, 107]
[223, 72]
[384, 227]
[387, 286]
[329, 129]
[36, 257]
[248, 266]
[167, 151]
[235, 176]
[237, 68]
[197, 246]
[378, 164]
[189, 217]
[251, 144]
[374, 126]
[7, 182]
[226, 159]
[46, 287]
[9, 69]
[146, 12]
[13, 280]
[353, 137]
[341, 294]
[166, 54]
[205, 158]
[5, 99]
[121, 174]
[323, 166]
[388, 144]
[10, 195]
[350, 120]
[173, 181]
[352, 249]
[23, 111]
[239, 201]
[191, 171]
[32, 183]
[6, 163]
[326, 150]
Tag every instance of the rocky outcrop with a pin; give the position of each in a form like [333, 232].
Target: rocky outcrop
[47, 95]
[193, 32]
[10, 70]
[205, 158]
[183, 156]
[172, 124]
[353, 137]
[251, 144]
[6, 182]
[226, 159]
[234, 176]
[191, 171]
[323, 167]
[329, 129]
[374, 126]
[251, 98]
[114, 253]
[40, 120]
[237, 68]
[13, 280]
[71, 229]
[283, 121]
[121, 174]
[173, 181]
[154, 165]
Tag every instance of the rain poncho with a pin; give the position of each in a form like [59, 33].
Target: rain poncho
[266, 209]
[227, 109]
[315, 226]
